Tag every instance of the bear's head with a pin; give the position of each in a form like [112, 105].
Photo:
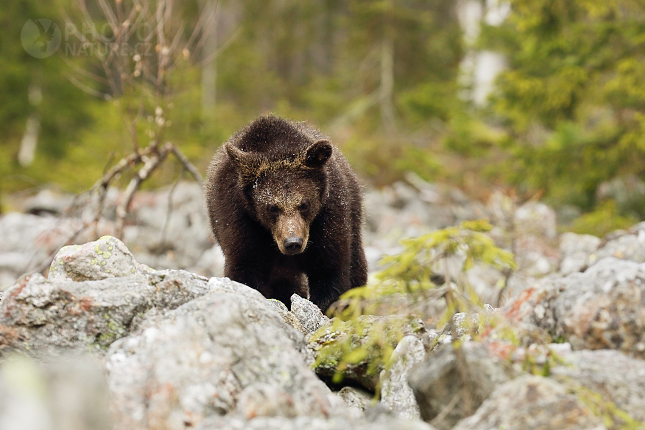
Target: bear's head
[285, 193]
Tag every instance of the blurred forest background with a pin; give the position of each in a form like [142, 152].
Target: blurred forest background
[541, 98]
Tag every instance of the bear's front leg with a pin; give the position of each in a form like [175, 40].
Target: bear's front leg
[251, 273]
[326, 286]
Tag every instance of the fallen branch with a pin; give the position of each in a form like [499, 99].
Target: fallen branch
[150, 165]
[187, 164]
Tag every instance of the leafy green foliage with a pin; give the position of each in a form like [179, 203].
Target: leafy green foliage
[603, 220]
[410, 274]
[413, 270]
[572, 95]
[362, 345]
[317, 61]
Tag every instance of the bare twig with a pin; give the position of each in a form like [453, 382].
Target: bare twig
[445, 411]
[125, 18]
[169, 210]
[150, 165]
[187, 164]
[91, 91]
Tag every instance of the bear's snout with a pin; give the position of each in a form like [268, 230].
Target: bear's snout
[290, 233]
[293, 245]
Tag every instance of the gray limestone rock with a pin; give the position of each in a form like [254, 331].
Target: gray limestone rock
[107, 257]
[629, 245]
[438, 382]
[287, 316]
[356, 400]
[531, 403]
[309, 315]
[39, 314]
[575, 249]
[309, 423]
[396, 394]
[219, 354]
[612, 375]
[601, 308]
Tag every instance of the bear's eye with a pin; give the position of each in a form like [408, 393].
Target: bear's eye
[274, 210]
[304, 206]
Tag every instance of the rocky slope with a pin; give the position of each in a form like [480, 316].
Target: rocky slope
[124, 340]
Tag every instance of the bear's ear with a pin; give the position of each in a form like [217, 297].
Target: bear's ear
[236, 155]
[245, 162]
[318, 154]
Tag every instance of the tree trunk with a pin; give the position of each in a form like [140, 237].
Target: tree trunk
[29, 142]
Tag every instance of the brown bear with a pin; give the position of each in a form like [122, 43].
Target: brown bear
[286, 209]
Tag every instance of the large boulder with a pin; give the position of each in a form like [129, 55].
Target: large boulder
[38, 313]
[107, 257]
[439, 382]
[361, 333]
[531, 403]
[610, 378]
[309, 423]
[396, 393]
[626, 245]
[575, 250]
[228, 352]
[601, 308]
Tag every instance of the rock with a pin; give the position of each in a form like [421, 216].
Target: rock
[532, 310]
[363, 372]
[486, 281]
[47, 202]
[535, 256]
[598, 309]
[396, 394]
[531, 402]
[356, 400]
[626, 246]
[67, 392]
[20, 232]
[308, 423]
[233, 345]
[265, 400]
[27, 240]
[536, 219]
[39, 314]
[465, 324]
[602, 308]
[309, 315]
[107, 257]
[612, 375]
[286, 315]
[211, 263]
[438, 386]
[575, 249]
[172, 220]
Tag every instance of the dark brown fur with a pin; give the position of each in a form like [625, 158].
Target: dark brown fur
[274, 183]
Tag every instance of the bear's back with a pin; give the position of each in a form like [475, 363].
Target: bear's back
[275, 137]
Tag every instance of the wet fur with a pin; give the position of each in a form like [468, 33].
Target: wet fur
[275, 162]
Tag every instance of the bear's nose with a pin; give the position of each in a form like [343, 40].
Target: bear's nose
[293, 244]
